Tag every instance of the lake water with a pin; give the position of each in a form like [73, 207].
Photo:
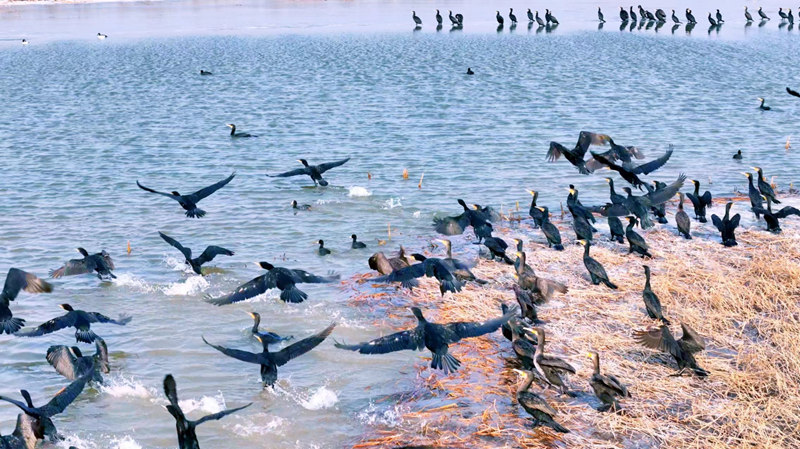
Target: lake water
[82, 120]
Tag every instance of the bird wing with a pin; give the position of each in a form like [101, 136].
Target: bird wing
[301, 276]
[294, 350]
[451, 225]
[63, 360]
[462, 329]
[206, 191]
[404, 274]
[662, 196]
[735, 221]
[17, 280]
[248, 290]
[555, 151]
[412, 339]
[171, 390]
[66, 396]
[717, 222]
[237, 354]
[692, 341]
[53, 325]
[168, 195]
[187, 252]
[792, 92]
[658, 338]
[73, 266]
[211, 252]
[783, 213]
[706, 198]
[586, 138]
[95, 317]
[296, 172]
[101, 356]
[220, 415]
[655, 164]
[329, 165]
[555, 362]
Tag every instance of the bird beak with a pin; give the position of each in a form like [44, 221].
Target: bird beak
[229, 125]
[590, 355]
[532, 192]
[540, 208]
[259, 338]
[252, 315]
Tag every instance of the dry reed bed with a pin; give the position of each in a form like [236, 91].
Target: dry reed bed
[745, 301]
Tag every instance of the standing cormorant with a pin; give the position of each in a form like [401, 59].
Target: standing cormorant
[548, 367]
[72, 364]
[790, 16]
[550, 231]
[727, 226]
[600, 15]
[615, 197]
[281, 278]
[700, 203]
[675, 18]
[189, 202]
[682, 350]
[689, 16]
[535, 405]
[499, 18]
[460, 269]
[764, 187]
[682, 219]
[617, 231]
[453, 20]
[782, 14]
[16, 281]
[633, 16]
[651, 301]
[80, 320]
[606, 387]
[235, 134]
[577, 208]
[417, 20]
[511, 16]
[756, 203]
[530, 15]
[99, 263]
[541, 289]
[661, 15]
[268, 337]
[582, 228]
[207, 256]
[313, 171]
[356, 244]
[623, 15]
[711, 20]
[636, 241]
[719, 18]
[497, 249]
[596, 270]
[438, 18]
[539, 20]
[762, 15]
[534, 211]
[550, 17]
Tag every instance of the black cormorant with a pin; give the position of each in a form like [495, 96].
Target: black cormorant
[205, 72]
[782, 14]
[756, 202]
[460, 18]
[762, 106]
[682, 350]
[600, 15]
[189, 202]
[719, 18]
[711, 20]
[459, 268]
[270, 361]
[417, 20]
[771, 218]
[548, 367]
[617, 231]
[511, 16]
[497, 249]
[727, 226]
[550, 17]
[16, 281]
[539, 20]
[453, 20]
[636, 241]
[629, 172]
[623, 15]
[430, 267]
[639, 205]
[607, 388]
[596, 270]
[356, 244]
[576, 155]
[298, 207]
[267, 337]
[689, 16]
[738, 155]
[550, 231]
[196, 263]
[577, 208]
[530, 16]
[469, 71]
[499, 18]
[793, 93]
[281, 278]
[675, 18]
[682, 219]
[661, 15]
[72, 364]
[99, 263]
[534, 211]
[633, 17]
[535, 405]
[582, 228]
[651, 301]
[433, 336]
[764, 187]
[762, 15]
[616, 198]
[79, 319]
[239, 134]
[314, 171]
[522, 341]
[700, 203]
[527, 304]
[438, 17]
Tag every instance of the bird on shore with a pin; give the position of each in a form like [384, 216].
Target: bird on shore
[270, 361]
[267, 337]
[238, 135]
[682, 219]
[623, 15]
[549, 17]
[511, 16]
[782, 14]
[460, 269]
[433, 336]
[417, 20]
[700, 203]
[322, 251]
[530, 16]
[355, 244]
[72, 364]
[196, 263]
[675, 18]
[430, 267]
[300, 207]
[523, 341]
[762, 14]
[284, 279]
[636, 242]
[640, 205]
[596, 271]
[651, 302]
[577, 208]
[534, 211]
[615, 197]
[497, 249]
[771, 218]
[527, 305]
[764, 187]
[384, 265]
[712, 21]
[682, 350]
[616, 229]
[606, 387]
[186, 428]
[550, 368]
[582, 228]
[499, 18]
[633, 16]
[539, 20]
[550, 231]
[313, 171]
[99, 263]
[719, 18]
[689, 16]
[460, 19]
[756, 199]
[453, 19]
[727, 226]
[17, 281]
[600, 15]
[79, 319]
[762, 106]
[535, 405]
[189, 202]
[459, 223]
[661, 16]
[541, 289]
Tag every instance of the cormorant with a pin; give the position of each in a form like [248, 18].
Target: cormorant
[576, 207]
[633, 15]
[651, 301]
[355, 244]
[205, 72]
[623, 15]
[606, 387]
[615, 197]
[186, 428]
[430, 267]
[417, 20]
[762, 15]
[550, 231]
[661, 15]
[682, 219]
[79, 319]
[499, 18]
[268, 337]
[790, 17]
[629, 172]
[549, 17]
[383, 265]
[682, 350]
[596, 270]
[762, 107]
[189, 202]
[711, 20]
[270, 361]
[438, 17]
[453, 20]
[772, 218]
[527, 305]
[460, 269]
[539, 20]
[99, 263]
[642, 12]
[534, 211]
[541, 289]
[700, 203]
[639, 205]
[548, 367]
[511, 15]
[314, 171]
[460, 19]
[281, 278]
[102, 36]
[207, 256]
[530, 15]
[72, 364]
[689, 16]
[582, 228]
[738, 155]
[600, 15]
[782, 14]
[16, 281]
[535, 405]
[497, 249]
[469, 71]
[239, 134]
[298, 207]
[764, 187]
[522, 341]
[675, 18]
[756, 203]
[24, 41]
[650, 16]
[719, 18]
[727, 226]
[617, 231]
[457, 224]
[793, 93]
[636, 241]
[433, 336]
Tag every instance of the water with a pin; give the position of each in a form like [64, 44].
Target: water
[82, 120]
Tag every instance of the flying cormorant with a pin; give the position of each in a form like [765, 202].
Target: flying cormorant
[189, 202]
[314, 171]
[196, 263]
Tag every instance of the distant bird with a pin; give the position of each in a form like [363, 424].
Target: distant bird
[438, 17]
[80, 320]
[535, 405]
[530, 15]
[322, 251]
[650, 16]
[460, 19]
[239, 134]
[719, 17]
[270, 361]
[550, 231]
[205, 72]
[268, 337]
[600, 15]
[539, 20]
[453, 20]
[284, 279]
[417, 20]
[682, 219]
[550, 17]
[189, 202]
[793, 93]
[469, 71]
[689, 16]
[727, 226]
[313, 171]
[596, 271]
[623, 15]
[196, 263]
[633, 15]
[711, 20]
[433, 336]
[700, 203]
[607, 388]
[511, 15]
[102, 36]
[72, 364]
[738, 155]
[764, 187]
[499, 18]
[651, 302]
[754, 195]
[782, 14]
[661, 15]
[497, 249]
[790, 16]
[300, 207]
[682, 350]
[186, 428]
[762, 15]
[356, 244]
[17, 281]
[675, 18]
[24, 41]
[99, 263]
[636, 242]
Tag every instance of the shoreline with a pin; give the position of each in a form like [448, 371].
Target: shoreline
[67, 2]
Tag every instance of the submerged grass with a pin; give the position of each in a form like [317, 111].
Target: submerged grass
[744, 300]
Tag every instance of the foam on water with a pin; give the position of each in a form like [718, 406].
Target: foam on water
[391, 203]
[258, 424]
[129, 280]
[127, 387]
[390, 417]
[358, 191]
[191, 286]
[126, 442]
[321, 398]
[206, 404]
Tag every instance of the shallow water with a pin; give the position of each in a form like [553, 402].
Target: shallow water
[82, 120]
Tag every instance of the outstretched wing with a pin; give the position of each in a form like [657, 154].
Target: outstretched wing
[66, 396]
[735, 221]
[659, 338]
[211, 252]
[413, 339]
[187, 252]
[221, 414]
[101, 356]
[783, 213]
[555, 151]
[460, 330]
[72, 267]
[251, 289]
[451, 225]
[53, 325]
[586, 138]
[302, 276]
[329, 165]
[655, 164]
[406, 276]
[17, 280]
[793, 93]
[63, 360]
[294, 350]
[237, 354]
[662, 196]
[171, 391]
[296, 172]
[148, 189]
[95, 317]
[717, 222]
[204, 192]
[692, 341]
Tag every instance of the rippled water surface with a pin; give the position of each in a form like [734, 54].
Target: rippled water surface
[81, 120]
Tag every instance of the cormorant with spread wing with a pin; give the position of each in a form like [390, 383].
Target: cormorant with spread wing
[575, 156]
[72, 364]
[385, 265]
[700, 203]
[189, 202]
[79, 319]
[430, 267]
[682, 350]
[268, 337]
[99, 263]
[478, 219]
[727, 225]
[629, 172]
[313, 171]
[542, 289]
[459, 268]
[196, 263]
[773, 225]
[16, 281]
[640, 205]
[281, 278]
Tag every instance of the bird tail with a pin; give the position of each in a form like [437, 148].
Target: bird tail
[195, 213]
[409, 283]
[481, 281]
[558, 247]
[507, 260]
[11, 325]
[85, 336]
[556, 426]
[322, 182]
[609, 284]
[775, 200]
[445, 362]
[293, 294]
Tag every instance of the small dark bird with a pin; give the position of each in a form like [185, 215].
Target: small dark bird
[793, 93]
[497, 249]
[617, 231]
[187, 429]
[438, 17]
[356, 244]
[99, 263]
[238, 135]
[550, 231]
[17, 281]
[281, 278]
[719, 17]
[102, 36]
[756, 199]
[651, 301]
[417, 20]
[541, 289]
[764, 187]
[322, 251]
[689, 16]
[299, 207]
[607, 388]
[535, 405]
[661, 16]
[314, 171]
[682, 350]
[790, 16]
[530, 15]
[762, 15]
[738, 155]
[207, 256]
[72, 364]
[636, 241]
[595, 269]
[762, 106]
[623, 15]
[270, 361]
[682, 219]
[675, 18]
[633, 15]
[189, 202]
[700, 203]
[711, 20]
[539, 20]
[600, 15]
[205, 72]
[499, 18]
[511, 16]
[453, 19]
[534, 211]
[268, 337]
[773, 225]
[469, 71]
[78, 319]
[782, 14]
[433, 336]
[550, 17]
[460, 19]
[727, 226]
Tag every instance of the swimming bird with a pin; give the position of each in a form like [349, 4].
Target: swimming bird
[417, 20]
[268, 337]
[284, 279]
[270, 361]
[186, 428]
[756, 203]
[738, 155]
[433, 336]
[314, 171]
[541, 289]
[72, 364]
[700, 203]
[651, 302]
[550, 368]
[675, 18]
[535, 405]
[762, 106]
[205, 72]
[299, 207]
[499, 18]
[322, 251]
[530, 15]
[623, 15]
[773, 225]
[453, 20]
[79, 319]
[550, 231]
[711, 20]
[539, 20]
[633, 16]
[239, 134]
[793, 93]
[17, 281]
[607, 388]
[511, 15]
[682, 350]
[25, 42]
[682, 219]
[189, 202]
[661, 15]
[727, 226]
[764, 187]
[719, 18]
[469, 71]
[689, 16]
[438, 17]
[196, 263]
[356, 244]
[636, 242]
[762, 15]
[600, 15]
[102, 36]
[383, 265]
[99, 263]
[430, 267]
[596, 271]
[550, 17]
[616, 229]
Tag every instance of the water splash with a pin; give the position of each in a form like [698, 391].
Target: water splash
[128, 280]
[371, 416]
[125, 442]
[206, 404]
[321, 398]
[124, 387]
[191, 286]
[357, 191]
[392, 203]
[258, 424]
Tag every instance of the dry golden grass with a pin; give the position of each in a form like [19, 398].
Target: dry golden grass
[745, 301]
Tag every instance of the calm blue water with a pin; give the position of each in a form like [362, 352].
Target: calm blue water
[82, 120]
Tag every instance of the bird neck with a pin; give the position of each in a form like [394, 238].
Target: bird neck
[526, 383]
[586, 250]
[233, 129]
[256, 323]
[596, 364]
[630, 226]
[647, 280]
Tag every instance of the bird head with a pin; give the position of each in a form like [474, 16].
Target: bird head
[175, 192]
[230, 125]
[265, 265]
[592, 354]
[631, 220]
[419, 257]
[254, 315]
[627, 190]
[417, 313]
[748, 174]
[83, 252]
[758, 169]
[303, 161]
[532, 192]
[66, 307]
[321, 242]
